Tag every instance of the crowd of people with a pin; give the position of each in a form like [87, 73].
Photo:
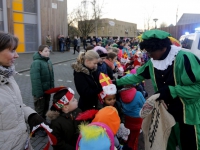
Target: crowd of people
[113, 107]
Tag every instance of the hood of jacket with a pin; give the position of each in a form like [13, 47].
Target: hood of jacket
[51, 115]
[81, 68]
[54, 114]
[37, 56]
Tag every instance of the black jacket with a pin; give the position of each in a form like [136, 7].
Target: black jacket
[65, 129]
[87, 85]
[75, 42]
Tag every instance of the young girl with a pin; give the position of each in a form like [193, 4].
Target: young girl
[62, 114]
[86, 79]
[110, 60]
[132, 102]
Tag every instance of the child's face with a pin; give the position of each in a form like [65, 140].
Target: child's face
[101, 59]
[91, 64]
[110, 100]
[45, 52]
[113, 60]
[72, 105]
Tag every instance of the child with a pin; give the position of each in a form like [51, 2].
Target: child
[42, 79]
[132, 102]
[62, 114]
[86, 79]
[108, 97]
[101, 66]
[99, 135]
[110, 60]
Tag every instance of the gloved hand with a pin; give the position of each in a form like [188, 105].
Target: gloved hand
[123, 132]
[164, 94]
[148, 105]
[34, 119]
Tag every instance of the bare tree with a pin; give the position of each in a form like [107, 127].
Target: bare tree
[148, 19]
[163, 24]
[72, 24]
[86, 19]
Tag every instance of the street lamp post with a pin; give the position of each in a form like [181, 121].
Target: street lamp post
[155, 22]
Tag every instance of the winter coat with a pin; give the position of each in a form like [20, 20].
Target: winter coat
[109, 72]
[133, 108]
[42, 75]
[75, 42]
[13, 117]
[65, 129]
[102, 68]
[87, 85]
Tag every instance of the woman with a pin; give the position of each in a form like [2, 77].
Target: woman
[13, 113]
[110, 60]
[86, 80]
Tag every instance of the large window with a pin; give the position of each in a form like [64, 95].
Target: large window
[30, 6]
[31, 37]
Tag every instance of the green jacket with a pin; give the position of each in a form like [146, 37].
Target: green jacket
[42, 76]
[185, 89]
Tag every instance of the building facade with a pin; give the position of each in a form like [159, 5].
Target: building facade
[113, 28]
[32, 20]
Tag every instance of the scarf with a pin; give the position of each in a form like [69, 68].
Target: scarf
[110, 64]
[6, 73]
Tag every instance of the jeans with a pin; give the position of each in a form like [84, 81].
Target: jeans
[62, 47]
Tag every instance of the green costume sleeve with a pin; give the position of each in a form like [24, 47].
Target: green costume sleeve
[133, 79]
[186, 88]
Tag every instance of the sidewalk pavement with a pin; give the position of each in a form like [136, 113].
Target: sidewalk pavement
[24, 61]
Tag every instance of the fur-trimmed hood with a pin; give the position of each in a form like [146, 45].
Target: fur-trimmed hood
[81, 68]
[52, 114]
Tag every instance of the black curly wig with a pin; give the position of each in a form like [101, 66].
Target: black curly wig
[155, 44]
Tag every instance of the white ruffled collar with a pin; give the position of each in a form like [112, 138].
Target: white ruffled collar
[163, 64]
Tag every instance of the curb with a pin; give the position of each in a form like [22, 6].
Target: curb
[28, 69]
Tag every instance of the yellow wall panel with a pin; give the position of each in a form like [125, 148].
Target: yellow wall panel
[19, 32]
[18, 17]
[21, 48]
[17, 5]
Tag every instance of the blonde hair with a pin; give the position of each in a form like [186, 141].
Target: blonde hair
[89, 55]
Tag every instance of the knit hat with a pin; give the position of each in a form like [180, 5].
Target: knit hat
[108, 87]
[109, 116]
[99, 135]
[61, 97]
[155, 34]
[101, 53]
[95, 136]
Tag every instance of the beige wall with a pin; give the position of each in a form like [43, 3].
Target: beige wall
[53, 21]
[118, 29]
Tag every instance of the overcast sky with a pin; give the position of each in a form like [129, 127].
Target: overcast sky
[137, 11]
